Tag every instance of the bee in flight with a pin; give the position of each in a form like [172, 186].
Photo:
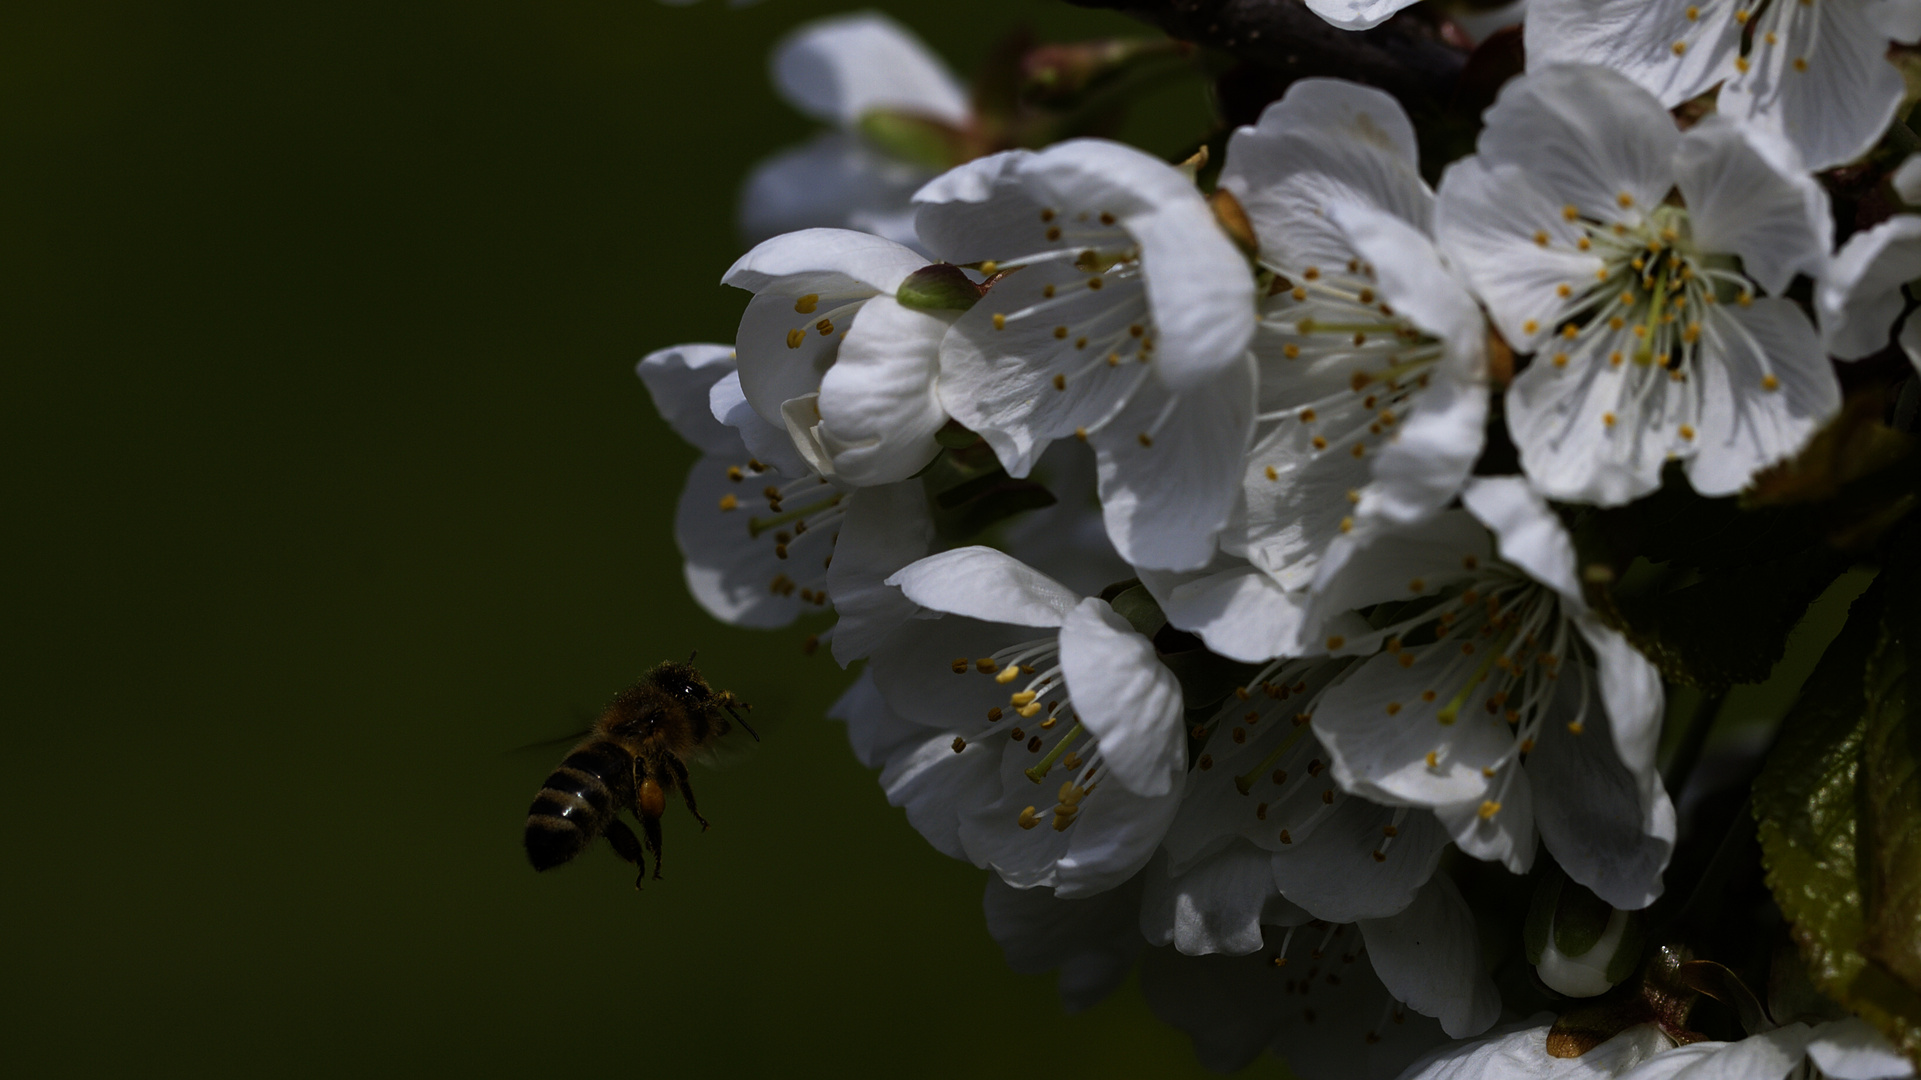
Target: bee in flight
[634, 755]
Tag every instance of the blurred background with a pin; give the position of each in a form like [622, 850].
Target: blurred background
[331, 484]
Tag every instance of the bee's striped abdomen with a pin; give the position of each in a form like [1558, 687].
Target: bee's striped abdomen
[577, 802]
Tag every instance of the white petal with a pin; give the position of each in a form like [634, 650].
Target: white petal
[679, 380]
[1677, 51]
[1907, 180]
[811, 282]
[1333, 875]
[1198, 284]
[768, 443]
[1326, 143]
[1359, 574]
[1910, 341]
[1170, 468]
[1861, 297]
[1218, 906]
[836, 69]
[1488, 219]
[801, 416]
[873, 730]
[1425, 467]
[1747, 193]
[1429, 956]
[985, 584]
[731, 574]
[1529, 533]
[979, 210]
[1745, 427]
[885, 529]
[1093, 941]
[936, 786]
[1836, 109]
[1758, 1057]
[834, 180]
[1600, 805]
[1126, 698]
[1900, 20]
[1508, 835]
[879, 403]
[1028, 384]
[1851, 1050]
[1110, 839]
[1242, 613]
[1522, 1055]
[1356, 14]
[914, 670]
[1587, 134]
[1380, 732]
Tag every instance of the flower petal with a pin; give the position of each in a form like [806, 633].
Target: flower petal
[1219, 906]
[1768, 1055]
[1852, 1050]
[1587, 134]
[1744, 425]
[886, 528]
[679, 380]
[936, 786]
[1126, 698]
[1092, 941]
[834, 180]
[1241, 613]
[1332, 872]
[1521, 1054]
[1676, 51]
[836, 69]
[1833, 102]
[1356, 14]
[1198, 284]
[1429, 955]
[1747, 193]
[879, 404]
[1327, 143]
[1528, 532]
[765, 442]
[1862, 297]
[1499, 828]
[1170, 468]
[985, 584]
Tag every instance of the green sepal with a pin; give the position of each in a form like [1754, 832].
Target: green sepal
[938, 287]
[922, 140]
[1627, 952]
[1540, 914]
[1139, 608]
[1580, 918]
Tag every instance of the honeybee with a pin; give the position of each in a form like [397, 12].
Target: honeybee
[631, 759]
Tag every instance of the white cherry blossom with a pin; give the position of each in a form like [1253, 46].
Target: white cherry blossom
[1520, 1053]
[1812, 71]
[765, 565]
[1839, 1050]
[1357, 14]
[1122, 317]
[1372, 355]
[1861, 297]
[827, 352]
[1017, 678]
[1649, 344]
[837, 70]
[1495, 698]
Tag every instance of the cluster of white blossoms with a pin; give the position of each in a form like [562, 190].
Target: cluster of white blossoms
[1193, 602]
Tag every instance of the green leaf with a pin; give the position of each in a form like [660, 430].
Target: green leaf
[1819, 838]
[1888, 990]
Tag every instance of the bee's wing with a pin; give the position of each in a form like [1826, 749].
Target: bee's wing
[558, 742]
[725, 752]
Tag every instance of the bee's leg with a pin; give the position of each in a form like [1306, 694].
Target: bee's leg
[686, 789]
[650, 823]
[627, 846]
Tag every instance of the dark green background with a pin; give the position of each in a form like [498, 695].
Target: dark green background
[328, 481]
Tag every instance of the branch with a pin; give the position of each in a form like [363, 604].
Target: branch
[1403, 56]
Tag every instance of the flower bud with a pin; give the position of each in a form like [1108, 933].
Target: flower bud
[1580, 946]
[939, 287]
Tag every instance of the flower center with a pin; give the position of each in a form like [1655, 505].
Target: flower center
[1044, 719]
[803, 534]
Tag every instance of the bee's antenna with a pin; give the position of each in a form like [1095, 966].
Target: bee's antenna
[737, 719]
[692, 654]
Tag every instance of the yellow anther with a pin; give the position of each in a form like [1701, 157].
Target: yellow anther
[959, 744]
[1336, 641]
[1540, 237]
[1530, 326]
[1060, 382]
[1028, 712]
[1000, 321]
[795, 337]
[1060, 333]
[1393, 708]
[1008, 675]
[728, 502]
[1626, 200]
[1489, 809]
[1048, 292]
[990, 267]
[825, 326]
[1024, 698]
[1607, 419]
[986, 665]
[1433, 759]
[1027, 819]
[806, 304]
[1576, 727]
[1347, 524]
[1687, 432]
[1769, 382]
[1680, 47]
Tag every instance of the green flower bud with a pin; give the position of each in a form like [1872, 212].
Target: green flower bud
[1580, 946]
[939, 287]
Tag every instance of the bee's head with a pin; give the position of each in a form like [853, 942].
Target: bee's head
[682, 681]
